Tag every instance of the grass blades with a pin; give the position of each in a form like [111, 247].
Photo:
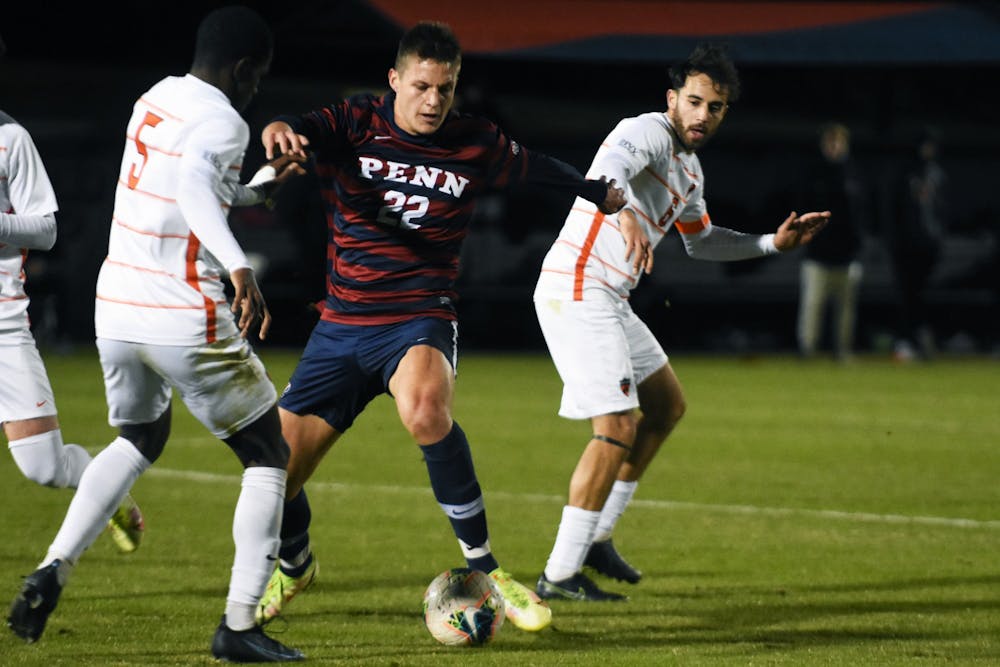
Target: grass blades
[802, 513]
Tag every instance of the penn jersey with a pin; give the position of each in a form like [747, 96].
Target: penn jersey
[398, 205]
[664, 188]
[170, 241]
[25, 190]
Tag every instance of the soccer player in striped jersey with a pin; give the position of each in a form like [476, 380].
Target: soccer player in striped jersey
[581, 300]
[28, 412]
[399, 175]
[162, 324]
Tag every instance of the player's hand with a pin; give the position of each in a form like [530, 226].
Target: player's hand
[637, 245]
[279, 134]
[249, 303]
[287, 166]
[615, 199]
[798, 230]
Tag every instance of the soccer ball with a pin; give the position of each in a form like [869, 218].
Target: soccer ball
[462, 607]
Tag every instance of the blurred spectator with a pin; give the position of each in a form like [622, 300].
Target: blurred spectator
[831, 269]
[916, 232]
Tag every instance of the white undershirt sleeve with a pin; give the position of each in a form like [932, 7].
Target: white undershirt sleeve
[722, 244]
[34, 232]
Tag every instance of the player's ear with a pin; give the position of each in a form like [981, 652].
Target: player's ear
[671, 98]
[243, 71]
[394, 79]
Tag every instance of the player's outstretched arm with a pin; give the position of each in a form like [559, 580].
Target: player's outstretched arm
[249, 302]
[280, 134]
[797, 230]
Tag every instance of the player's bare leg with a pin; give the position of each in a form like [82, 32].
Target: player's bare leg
[661, 401]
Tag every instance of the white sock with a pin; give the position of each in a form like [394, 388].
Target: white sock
[619, 498]
[576, 532]
[103, 486]
[256, 528]
[45, 460]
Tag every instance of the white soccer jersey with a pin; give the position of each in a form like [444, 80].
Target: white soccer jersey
[663, 189]
[25, 190]
[170, 239]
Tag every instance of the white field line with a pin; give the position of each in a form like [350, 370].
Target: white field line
[858, 517]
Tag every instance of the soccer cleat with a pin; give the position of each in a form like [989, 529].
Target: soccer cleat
[577, 587]
[604, 558]
[37, 599]
[250, 646]
[281, 588]
[523, 608]
[126, 525]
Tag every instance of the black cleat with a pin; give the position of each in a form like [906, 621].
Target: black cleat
[250, 646]
[604, 558]
[577, 587]
[37, 599]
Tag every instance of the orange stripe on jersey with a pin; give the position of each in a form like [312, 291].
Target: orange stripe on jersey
[191, 260]
[163, 112]
[13, 298]
[147, 233]
[609, 267]
[147, 193]
[693, 226]
[581, 261]
[663, 182]
[134, 267]
[140, 304]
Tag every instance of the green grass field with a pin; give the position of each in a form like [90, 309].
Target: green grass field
[802, 513]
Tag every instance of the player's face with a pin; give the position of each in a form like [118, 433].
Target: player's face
[696, 110]
[425, 91]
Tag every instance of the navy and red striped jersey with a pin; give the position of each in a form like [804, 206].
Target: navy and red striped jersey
[398, 205]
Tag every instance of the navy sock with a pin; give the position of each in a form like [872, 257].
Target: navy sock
[453, 479]
[295, 535]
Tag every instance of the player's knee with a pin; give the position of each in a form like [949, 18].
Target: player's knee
[261, 443]
[40, 458]
[150, 438]
[427, 425]
[41, 471]
[619, 427]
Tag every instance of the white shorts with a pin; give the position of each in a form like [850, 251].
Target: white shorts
[602, 351]
[223, 384]
[25, 392]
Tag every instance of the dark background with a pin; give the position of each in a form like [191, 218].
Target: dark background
[71, 75]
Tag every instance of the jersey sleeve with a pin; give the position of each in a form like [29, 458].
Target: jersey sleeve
[29, 189]
[210, 150]
[325, 128]
[628, 149]
[514, 164]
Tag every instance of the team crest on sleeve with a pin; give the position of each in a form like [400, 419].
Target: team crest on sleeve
[626, 385]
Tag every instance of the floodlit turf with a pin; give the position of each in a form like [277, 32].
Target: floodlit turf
[802, 513]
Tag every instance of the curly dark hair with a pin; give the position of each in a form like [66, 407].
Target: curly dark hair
[712, 60]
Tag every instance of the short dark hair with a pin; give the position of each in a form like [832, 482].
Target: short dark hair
[712, 60]
[429, 40]
[229, 34]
